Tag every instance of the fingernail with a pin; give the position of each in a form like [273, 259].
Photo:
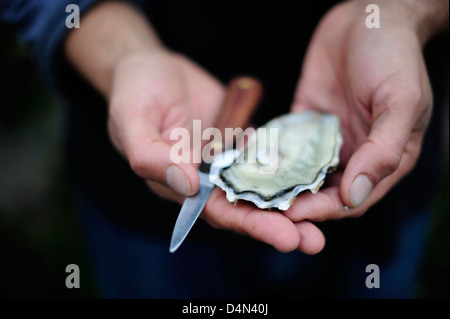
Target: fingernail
[360, 190]
[178, 181]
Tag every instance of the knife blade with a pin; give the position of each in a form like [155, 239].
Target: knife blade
[191, 209]
[242, 96]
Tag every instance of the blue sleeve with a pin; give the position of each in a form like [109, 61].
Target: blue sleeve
[23, 15]
[42, 25]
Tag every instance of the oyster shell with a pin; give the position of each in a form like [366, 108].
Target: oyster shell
[270, 170]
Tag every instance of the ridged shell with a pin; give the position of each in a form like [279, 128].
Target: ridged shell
[307, 148]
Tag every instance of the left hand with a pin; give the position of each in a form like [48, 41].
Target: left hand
[376, 81]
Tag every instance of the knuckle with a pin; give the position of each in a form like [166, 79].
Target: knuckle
[142, 161]
[388, 163]
[390, 95]
[138, 164]
[385, 160]
[414, 96]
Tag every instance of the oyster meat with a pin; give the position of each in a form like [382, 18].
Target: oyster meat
[290, 154]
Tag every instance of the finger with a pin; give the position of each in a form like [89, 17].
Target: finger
[148, 153]
[380, 155]
[409, 158]
[323, 205]
[150, 158]
[312, 240]
[327, 203]
[269, 227]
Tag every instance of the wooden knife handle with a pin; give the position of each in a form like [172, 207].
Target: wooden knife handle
[242, 97]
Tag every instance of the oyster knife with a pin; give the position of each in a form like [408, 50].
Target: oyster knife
[242, 96]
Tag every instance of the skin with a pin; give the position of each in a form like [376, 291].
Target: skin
[375, 80]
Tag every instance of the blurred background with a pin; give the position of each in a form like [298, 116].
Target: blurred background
[40, 233]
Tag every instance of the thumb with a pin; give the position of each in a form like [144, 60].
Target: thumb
[379, 156]
[152, 162]
[149, 156]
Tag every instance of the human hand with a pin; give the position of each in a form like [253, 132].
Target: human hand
[152, 94]
[375, 80]
[151, 91]
[149, 99]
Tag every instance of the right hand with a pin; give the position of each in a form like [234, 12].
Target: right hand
[152, 94]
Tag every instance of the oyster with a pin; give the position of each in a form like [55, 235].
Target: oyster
[272, 169]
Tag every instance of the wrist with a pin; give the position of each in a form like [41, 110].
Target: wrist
[109, 32]
[426, 18]
[434, 19]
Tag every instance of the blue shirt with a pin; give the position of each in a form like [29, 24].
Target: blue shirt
[41, 24]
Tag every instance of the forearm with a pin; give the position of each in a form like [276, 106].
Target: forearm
[108, 32]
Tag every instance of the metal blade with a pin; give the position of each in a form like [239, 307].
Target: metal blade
[191, 209]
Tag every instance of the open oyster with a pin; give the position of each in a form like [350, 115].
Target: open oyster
[290, 154]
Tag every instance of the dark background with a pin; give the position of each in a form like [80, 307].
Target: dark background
[40, 233]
